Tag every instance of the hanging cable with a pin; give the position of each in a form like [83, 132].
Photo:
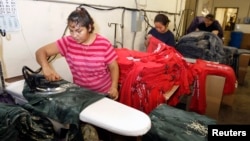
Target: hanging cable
[176, 7]
[108, 8]
[122, 28]
[103, 7]
[134, 34]
[179, 26]
[148, 25]
[3, 32]
[51, 58]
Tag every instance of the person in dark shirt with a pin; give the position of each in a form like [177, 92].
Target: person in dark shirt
[230, 24]
[161, 31]
[209, 25]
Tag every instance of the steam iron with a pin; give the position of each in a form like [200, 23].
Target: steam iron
[38, 84]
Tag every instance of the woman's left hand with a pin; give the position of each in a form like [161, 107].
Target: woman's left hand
[113, 93]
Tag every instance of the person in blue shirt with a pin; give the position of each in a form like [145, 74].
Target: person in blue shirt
[161, 31]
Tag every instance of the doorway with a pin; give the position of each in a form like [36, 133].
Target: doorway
[227, 17]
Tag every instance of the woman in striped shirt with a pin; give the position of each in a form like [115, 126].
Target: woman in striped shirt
[90, 56]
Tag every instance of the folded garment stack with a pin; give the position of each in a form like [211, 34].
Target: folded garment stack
[146, 76]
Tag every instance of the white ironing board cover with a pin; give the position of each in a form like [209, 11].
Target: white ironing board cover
[116, 117]
[15, 89]
[105, 113]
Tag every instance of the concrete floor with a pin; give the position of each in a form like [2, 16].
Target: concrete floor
[239, 112]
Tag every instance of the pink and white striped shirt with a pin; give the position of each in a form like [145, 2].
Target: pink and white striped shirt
[89, 63]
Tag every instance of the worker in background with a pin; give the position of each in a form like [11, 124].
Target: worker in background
[230, 24]
[209, 24]
[90, 56]
[161, 31]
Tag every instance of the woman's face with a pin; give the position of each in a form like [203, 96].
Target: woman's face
[208, 22]
[160, 27]
[80, 34]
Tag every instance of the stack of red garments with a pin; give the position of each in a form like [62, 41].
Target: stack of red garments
[146, 76]
[200, 70]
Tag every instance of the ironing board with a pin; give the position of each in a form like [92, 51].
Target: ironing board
[105, 113]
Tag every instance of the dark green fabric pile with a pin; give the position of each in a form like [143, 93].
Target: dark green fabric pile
[63, 107]
[18, 123]
[172, 124]
[30, 121]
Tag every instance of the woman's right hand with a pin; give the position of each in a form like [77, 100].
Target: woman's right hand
[148, 36]
[50, 74]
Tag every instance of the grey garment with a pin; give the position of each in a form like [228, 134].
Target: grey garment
[243, 51]
[202, 45]
[172, 124]
[231, 53]
[18, 123]
[63, 107]
[235, 53]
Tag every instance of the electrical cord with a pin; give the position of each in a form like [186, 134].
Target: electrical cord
[134, 35]
[108, 8]
[145, 17]
[97, 7]
[180, 22]
[3, 32]
[51, 58]
[27, 72]
[122, 26]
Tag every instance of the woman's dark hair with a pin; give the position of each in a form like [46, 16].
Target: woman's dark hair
[81, 17]
[162, 19]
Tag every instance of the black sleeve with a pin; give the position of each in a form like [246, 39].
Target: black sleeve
[171, 41]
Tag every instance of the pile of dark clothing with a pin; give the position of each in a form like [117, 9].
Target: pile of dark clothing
[207, 46]
[6, 98]
[32, 121]
[63, 107]
[19, 124]
[172, 124]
